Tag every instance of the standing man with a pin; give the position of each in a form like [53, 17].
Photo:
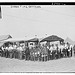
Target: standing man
[51, 52]
[27, 52]
[6, 52]
[0, 51]
[71, 48]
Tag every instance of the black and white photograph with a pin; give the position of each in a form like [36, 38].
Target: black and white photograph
[37, 38]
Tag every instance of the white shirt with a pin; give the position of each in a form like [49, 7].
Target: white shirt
[51, 48]
[14, 47]
[61, 47]
[47, 47]
[3, 48]
[7, 48]
[10, 47]
[55, 48]
[20, 48]
[38, 52]
[71, 47]
[66, 46]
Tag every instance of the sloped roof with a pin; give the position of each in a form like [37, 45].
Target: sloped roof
[52, 38]
[15, 39]
[69, 41]
[4, 37]
[19, 39]
[33, 40]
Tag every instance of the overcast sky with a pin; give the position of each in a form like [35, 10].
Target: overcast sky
[51, 20]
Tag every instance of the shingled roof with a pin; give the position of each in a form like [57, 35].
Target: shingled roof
[52, 38]
[33, 40]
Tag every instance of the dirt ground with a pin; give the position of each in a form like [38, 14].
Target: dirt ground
[15, 65]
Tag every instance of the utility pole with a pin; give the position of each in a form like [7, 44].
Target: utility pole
[0, 13]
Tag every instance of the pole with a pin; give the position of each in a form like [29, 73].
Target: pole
[0, 13]
[72, 52]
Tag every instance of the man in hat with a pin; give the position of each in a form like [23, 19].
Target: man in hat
[27, 52]
[10, 51]
[60, 48]
[51, 52]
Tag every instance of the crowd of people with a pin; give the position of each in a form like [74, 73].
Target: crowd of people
[37, 53]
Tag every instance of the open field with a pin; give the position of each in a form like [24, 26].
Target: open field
[15, 65]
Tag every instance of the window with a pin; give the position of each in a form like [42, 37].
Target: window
[31, 43]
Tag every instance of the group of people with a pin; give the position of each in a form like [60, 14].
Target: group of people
[38, 53]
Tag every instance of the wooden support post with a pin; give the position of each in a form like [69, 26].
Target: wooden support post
[72, 52]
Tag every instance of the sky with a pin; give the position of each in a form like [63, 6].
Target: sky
[28, 22]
